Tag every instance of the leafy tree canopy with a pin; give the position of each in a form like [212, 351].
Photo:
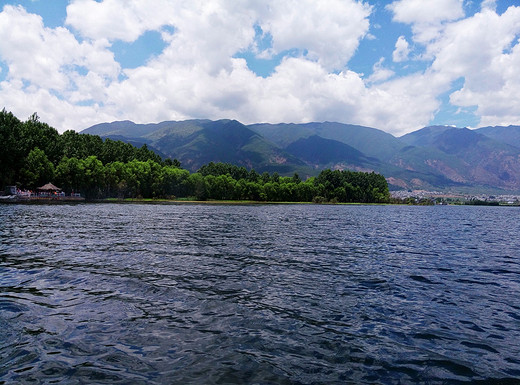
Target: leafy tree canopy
[32, 153]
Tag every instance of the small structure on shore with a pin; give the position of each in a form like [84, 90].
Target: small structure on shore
[45, 193]
[50, 189]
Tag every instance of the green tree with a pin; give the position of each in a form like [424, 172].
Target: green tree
[93, 177]
[286, 192]
[197, 187]
[253, 176]
[305, 191]
[38, 169]
[247, 190]
[144, 154]
[117, 151]
[265, 177]
[70, 174]
[222, 187]
[11, 154]
[138, 177]
[81, 146]
[271, 191]
[34, 133]
[174, 181]
[116, 180]
[172, 163]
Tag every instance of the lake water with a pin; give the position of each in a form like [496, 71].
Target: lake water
[264, 294]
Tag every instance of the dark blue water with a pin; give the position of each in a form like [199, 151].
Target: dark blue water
[301, 294]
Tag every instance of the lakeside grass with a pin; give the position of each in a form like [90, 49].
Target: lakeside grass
[192, 200]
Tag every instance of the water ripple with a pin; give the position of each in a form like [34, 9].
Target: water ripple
[259, 294]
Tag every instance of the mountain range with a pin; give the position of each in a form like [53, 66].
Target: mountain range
[432, 158]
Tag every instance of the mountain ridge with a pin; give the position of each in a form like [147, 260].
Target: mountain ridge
[434, 157]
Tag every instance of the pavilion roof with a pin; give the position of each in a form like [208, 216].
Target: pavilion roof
[49, 187]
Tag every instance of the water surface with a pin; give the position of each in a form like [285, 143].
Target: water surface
[283, 294]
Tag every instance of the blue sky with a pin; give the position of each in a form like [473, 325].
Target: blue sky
[394, 65]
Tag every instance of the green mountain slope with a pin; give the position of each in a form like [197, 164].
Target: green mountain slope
[370, 141]
[198, 142]
[125, 128]
[462, 155]
[318, 151]
[437, 157]
[229, 141]
[508, 135]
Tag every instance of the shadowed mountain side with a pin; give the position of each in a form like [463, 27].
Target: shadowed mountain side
[437, 157]
[370, 141]
[462, 155]
[507, 135]
[137, 142]
[318, 151]
[228, 141]
[198, 142]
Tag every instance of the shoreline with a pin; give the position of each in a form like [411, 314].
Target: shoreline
[10, 199]
[185, 201]
[152, 201]
[31, 200]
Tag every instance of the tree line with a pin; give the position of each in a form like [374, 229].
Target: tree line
[33, 153]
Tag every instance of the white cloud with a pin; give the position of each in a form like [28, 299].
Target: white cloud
[196, 75]
[484, 50]
[427, 17]
[206, 38]
[329, 30]
[56, 111]
[489, 4]
[406, 103]
[401, 51]
[33, 62]
[426, 11]
[45, 64]
[46, 57]
[380, 73]
[75, 82]
[118, 19]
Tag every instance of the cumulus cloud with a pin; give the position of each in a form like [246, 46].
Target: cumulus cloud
[380, 73]
[426, 11]
[196, 74]
[328, 30]
[489, 4]
[401, 51]
[482, 49]
[117, 19]
[485, 51]
[427, 17]
[45, 66]
[70, 77]
[46, 57]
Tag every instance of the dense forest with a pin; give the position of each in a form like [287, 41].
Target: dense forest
[33, 153]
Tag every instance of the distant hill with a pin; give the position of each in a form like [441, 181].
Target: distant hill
[508, 135]
[317, 152]
[198, 142]
[124, 128]
[370, 141]
[436, 157]
[425, 136]
[464, 155]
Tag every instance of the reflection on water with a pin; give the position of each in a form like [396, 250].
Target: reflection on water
[259, 294]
